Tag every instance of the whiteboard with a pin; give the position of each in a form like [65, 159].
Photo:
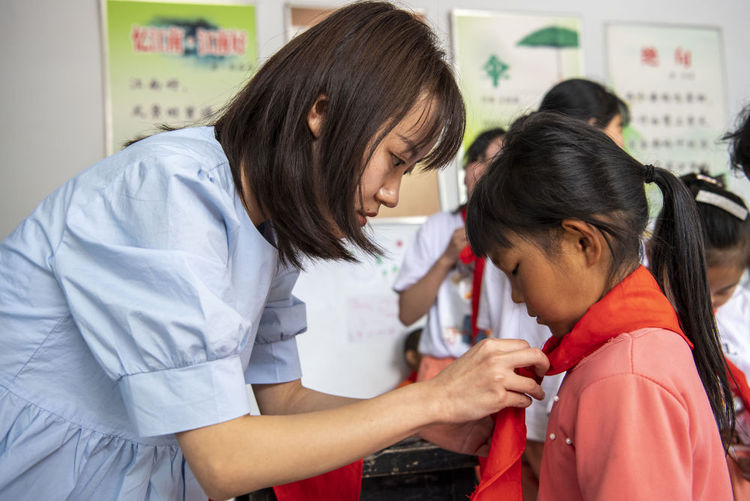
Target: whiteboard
[354, 342]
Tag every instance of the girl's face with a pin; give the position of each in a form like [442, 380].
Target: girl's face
[723, 279]
[394, 157]
[475, 170]
[557, 287]
[614, 130]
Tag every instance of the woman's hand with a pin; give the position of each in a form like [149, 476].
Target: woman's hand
[472, 437]
[247, 453]
[483, 380]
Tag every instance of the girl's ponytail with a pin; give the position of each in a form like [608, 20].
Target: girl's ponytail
[678, 263]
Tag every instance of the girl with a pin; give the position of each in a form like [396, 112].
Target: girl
[592, 103]
[645, 402]
[138, 299]
[436, 279]
[726, 232]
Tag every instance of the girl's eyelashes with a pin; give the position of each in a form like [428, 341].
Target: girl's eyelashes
[515, 270]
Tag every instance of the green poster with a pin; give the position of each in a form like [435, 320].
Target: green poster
[507, 61]
[172, 63]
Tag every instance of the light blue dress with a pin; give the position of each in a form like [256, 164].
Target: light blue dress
[135, 302]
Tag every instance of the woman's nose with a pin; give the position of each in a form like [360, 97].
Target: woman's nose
[388, 193]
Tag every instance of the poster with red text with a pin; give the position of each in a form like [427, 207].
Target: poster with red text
[672, 78]
[172, 63]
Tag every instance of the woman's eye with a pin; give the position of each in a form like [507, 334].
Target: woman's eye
[397, 162]
[515, 271]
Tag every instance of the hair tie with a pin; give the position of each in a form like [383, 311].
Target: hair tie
[723, 203]
[648, 175]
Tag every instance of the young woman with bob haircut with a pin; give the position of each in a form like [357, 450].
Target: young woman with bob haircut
[140, 297]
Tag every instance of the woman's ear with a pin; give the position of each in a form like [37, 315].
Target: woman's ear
[585, 239]
[317, 114]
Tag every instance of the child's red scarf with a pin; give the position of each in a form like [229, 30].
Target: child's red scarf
[343, 484]
[467, 256]
[635, 303]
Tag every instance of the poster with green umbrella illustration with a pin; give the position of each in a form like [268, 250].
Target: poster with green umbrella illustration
[506, 62]
[555, 37]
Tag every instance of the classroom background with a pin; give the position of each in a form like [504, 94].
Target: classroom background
[53, 102]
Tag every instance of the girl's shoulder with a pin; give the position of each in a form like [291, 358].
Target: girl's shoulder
[654, 354]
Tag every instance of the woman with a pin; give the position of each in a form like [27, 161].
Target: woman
[140, 297]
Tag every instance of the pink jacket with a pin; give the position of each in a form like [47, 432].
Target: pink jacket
[632, 422]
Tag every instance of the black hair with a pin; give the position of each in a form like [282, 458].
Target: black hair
[739, 141]
[412, 340]
[476, 150]
[555, 168]
[583, 99]
[372, 62]
[723, 231]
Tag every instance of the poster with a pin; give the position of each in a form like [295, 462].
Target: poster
[506, 62]
[172, 63]
[672, 77]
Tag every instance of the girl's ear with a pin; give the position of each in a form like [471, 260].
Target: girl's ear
[585, 239]
[317, 114]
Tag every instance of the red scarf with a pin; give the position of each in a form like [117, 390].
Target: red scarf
[635, 303]
[343, 484]
[467, 256]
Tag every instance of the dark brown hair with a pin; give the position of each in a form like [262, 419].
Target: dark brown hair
[372, 62]
[739, 140]
[585, 99]
[726, 235]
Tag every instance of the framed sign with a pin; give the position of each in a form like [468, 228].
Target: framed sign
[506, 62]
[672, 77]
[172, 63]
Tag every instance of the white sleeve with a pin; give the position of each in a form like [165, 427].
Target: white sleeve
[419, 257]
[733, 320]
[492, 290]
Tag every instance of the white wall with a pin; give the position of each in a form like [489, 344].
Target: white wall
[51, 99]
[51, 91]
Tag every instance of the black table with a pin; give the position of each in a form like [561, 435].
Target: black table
[411, 470]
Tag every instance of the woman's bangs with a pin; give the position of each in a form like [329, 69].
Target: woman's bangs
[443, 124]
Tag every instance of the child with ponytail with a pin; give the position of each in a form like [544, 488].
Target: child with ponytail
[726, 232]
[645, 410]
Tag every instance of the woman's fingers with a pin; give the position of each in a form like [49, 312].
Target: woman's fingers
[523, 355]
[485, 379]
[523, 384]
[514, 399]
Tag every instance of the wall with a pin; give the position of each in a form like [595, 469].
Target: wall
[51, 98]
